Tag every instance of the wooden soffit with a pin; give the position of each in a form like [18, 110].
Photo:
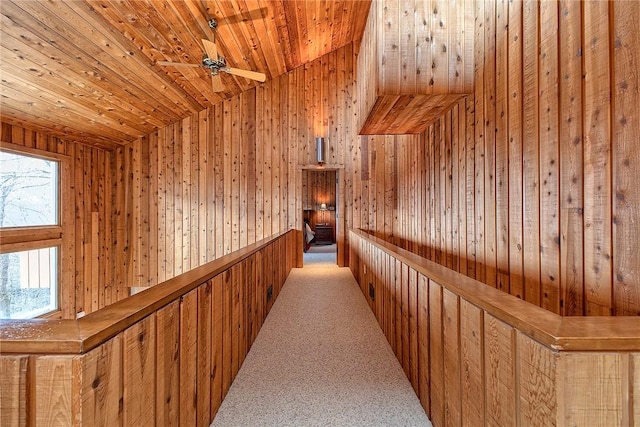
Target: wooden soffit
[416, 60]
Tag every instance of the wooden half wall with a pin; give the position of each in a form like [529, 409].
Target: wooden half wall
[529, 185]
[477, 356]
[163, 357]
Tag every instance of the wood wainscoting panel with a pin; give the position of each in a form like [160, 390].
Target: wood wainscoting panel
[436, 354]
[139, 373]
[499, 368]
[216, 342]
[537, 383]
[635, 388]
[592, 387]
[204, 377]
[188, 358]
[423, 341]
[452, 359]
[404, 310]
[414, 367]
[227, 322]
[168, 364]
[56, 398]
[13, 390]
[102, 384]
[472, 364]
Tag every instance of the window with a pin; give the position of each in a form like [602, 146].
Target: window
[30, 234]
[29, 283]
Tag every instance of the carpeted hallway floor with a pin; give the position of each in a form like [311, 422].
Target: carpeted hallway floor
[321, 360]
[320, 256]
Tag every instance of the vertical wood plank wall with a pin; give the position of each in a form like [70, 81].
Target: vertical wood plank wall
[87, 275]
[173, 367]
[469, 367]
[232, 174]
[528, 185]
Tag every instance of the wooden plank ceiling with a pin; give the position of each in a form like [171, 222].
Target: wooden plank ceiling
[86, 69]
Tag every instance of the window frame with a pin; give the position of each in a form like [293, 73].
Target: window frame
[16, 239]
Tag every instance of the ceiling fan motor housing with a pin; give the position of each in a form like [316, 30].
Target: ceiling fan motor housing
[214, 64]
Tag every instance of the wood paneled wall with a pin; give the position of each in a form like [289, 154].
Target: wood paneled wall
[470, 365]
[232, 174]
[88, 269]
[528, 185]
[420, 191]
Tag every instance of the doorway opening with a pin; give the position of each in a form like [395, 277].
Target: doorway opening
[320, 214]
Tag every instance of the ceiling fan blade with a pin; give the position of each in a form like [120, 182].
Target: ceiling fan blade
[216, 83]
[211, 49]
[253, 75]
[177, 64]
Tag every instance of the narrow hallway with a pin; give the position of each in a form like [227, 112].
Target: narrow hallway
[321, 360]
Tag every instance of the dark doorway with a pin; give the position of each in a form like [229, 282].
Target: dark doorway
[320, 209]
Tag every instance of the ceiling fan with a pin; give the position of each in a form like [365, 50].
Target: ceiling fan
[216, 63]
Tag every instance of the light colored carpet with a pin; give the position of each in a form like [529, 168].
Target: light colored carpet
[321, 360]
[320, 256]
[322, 249]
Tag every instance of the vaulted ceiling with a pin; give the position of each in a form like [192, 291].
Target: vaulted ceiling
[87, 69]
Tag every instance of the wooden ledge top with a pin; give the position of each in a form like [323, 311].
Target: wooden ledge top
[616, 333]
[48, 336]
[73, 337]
